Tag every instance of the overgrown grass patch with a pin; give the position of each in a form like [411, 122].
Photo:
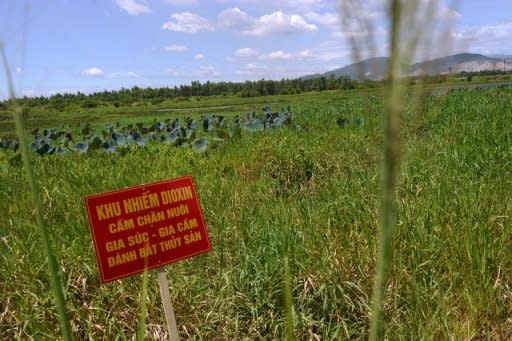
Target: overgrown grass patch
[309, 195]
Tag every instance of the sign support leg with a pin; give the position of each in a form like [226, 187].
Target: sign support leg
[163, 283]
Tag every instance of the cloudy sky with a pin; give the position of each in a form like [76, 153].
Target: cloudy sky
[92, 45]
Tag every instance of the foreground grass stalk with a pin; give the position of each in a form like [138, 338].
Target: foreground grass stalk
[44, 233]
[141, 330]
[290, 323]
[393, 110]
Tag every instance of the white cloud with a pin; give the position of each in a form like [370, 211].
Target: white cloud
[277, 55]
[246, 52]
[278, 22]
[189, 23]
[176, 48]
[486, 38]
[183, 3]
[327, 19]
[295, 5]
[447, 13]
[199, 56]
[273, 23]
[93, 72]
[305, 54]
[132, 7]
[235, 19]
[325, 53]
[127, 74]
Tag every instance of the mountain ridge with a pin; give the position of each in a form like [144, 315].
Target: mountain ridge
[375, 68]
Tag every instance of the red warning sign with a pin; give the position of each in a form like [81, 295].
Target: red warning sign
[161, 222]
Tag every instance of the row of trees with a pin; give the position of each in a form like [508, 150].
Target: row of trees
[243, 89]
[155, 95]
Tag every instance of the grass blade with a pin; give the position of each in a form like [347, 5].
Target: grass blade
[391, 166]
[288, 304]
[141, 330]
[44, 233]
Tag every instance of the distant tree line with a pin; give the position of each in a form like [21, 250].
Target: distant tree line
[126, 96]
[261, 87]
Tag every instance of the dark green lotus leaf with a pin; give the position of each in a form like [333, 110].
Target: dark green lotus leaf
[6, 144]
[200, 145]
[269, 117]
[34, 145]
[277, 121]
[266, 109]
[52, 150]
[109, 146]
[342, 121]
[207, 123]
[219, 121]
[63, 140]
[173, 125]
[81, 147]
[129, 138]
[120, 139]
[61, 151]
[139, 140]
[153, 137]
[159, 126]
[172, 137]
[255, 125]
[51, 134]
[188, 134]
[44, 149]
[359, 122]
[191, 124]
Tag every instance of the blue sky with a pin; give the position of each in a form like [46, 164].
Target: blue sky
[91, 45]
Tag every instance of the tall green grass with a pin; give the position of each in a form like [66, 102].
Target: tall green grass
[450, 276]
[392, 113]
[293, 218]
[44, 232]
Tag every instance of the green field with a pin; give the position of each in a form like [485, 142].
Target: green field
[308, 197]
